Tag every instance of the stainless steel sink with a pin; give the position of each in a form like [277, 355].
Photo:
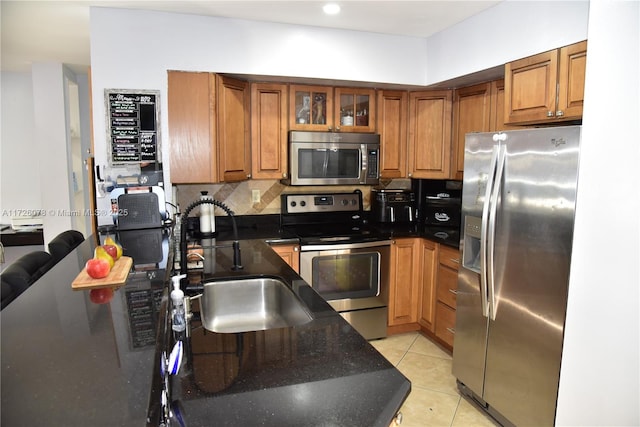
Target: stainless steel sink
[243, 305]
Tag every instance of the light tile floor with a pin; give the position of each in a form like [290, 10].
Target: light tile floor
[434, 399]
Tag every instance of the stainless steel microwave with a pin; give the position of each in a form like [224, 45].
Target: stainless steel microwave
[333, 158]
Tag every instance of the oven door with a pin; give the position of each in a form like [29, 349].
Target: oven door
[347, 271]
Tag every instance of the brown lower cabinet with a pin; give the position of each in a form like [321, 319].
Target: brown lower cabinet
[404, 291]
[446, 292]
[446, 323]
[422, 296]
[290, 253]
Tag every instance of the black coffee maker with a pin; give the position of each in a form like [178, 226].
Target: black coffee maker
[393, 205]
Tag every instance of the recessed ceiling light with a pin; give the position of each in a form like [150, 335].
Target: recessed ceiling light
[331, 8]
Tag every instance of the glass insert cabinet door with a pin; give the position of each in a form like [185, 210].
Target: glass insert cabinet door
[311, 107]
[355, 110]
[324, 108]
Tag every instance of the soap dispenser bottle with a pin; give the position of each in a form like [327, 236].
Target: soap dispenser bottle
[178, 315]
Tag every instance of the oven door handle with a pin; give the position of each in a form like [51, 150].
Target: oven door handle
[359, 245]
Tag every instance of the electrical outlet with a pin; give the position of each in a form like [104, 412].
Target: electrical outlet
[255, 196]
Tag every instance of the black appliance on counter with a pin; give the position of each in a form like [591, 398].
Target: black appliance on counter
[438, 205]
[393, 205]
[341, 257]
[137, 208]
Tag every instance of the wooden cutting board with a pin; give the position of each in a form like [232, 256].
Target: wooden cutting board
[117, 276]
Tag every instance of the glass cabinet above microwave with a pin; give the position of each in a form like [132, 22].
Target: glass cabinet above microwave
[323, 108]
[311, 108]
[355, 109]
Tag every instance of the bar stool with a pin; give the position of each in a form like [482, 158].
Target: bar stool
[64, 243]
[23, 273]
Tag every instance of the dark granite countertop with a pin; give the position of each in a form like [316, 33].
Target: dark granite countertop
[268, 227]
[67, 361]
[316, 374]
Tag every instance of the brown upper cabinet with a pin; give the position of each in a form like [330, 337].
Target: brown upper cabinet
[355, 110]
[429, 134]
[548, 87]
[192, 153]
[323, 108]
[477, 108]
[392, 127]
[311, 108]
[208, 128]
[234, 145]
[269, 130]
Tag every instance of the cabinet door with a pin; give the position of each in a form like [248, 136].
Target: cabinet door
[392, 126]
[192, 154]
[234, 146]
[530, 88]
[573, 62]
[447, 285]
[471, 113]
[290, 254]
[429, 134]
[268, 131]
[427, 281]
[310, 108]
[497, 119]
[355, 110]
[403, 295]
[446, 326]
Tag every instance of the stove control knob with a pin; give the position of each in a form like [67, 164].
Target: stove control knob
[354, 202]
[303, 203]
[293, 204]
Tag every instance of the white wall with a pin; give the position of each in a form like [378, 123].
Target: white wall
[600, 376]
[508, 31]
[19, 168]
[51, 147]
[133, 50]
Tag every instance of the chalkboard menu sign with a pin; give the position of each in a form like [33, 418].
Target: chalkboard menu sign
[133, 125]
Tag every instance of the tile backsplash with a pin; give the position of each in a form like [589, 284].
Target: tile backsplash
[238, 195]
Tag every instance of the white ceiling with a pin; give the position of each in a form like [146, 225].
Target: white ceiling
[58, 31]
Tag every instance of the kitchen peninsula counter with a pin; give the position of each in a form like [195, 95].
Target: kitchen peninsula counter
[68, 361]
[316, 374]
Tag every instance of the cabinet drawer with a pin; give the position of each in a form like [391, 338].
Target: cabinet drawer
[449, 256]
[447, 286]
[445, 323]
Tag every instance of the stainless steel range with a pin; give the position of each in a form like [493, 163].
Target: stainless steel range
[342, 258]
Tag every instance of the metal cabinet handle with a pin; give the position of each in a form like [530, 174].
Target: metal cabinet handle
[455, 260]
[453, 291]
[296, 248]
[550, 114]
[559, 113]
[452, 330]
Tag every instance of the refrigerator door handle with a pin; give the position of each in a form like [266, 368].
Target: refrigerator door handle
[491, 243]
[484, 230]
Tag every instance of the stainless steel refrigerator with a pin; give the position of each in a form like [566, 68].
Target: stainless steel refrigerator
[518, 203]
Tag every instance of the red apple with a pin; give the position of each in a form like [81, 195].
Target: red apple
[98, 268]
[111, 250]
[101, 296]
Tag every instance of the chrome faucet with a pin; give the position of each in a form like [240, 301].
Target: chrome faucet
[237, 263]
